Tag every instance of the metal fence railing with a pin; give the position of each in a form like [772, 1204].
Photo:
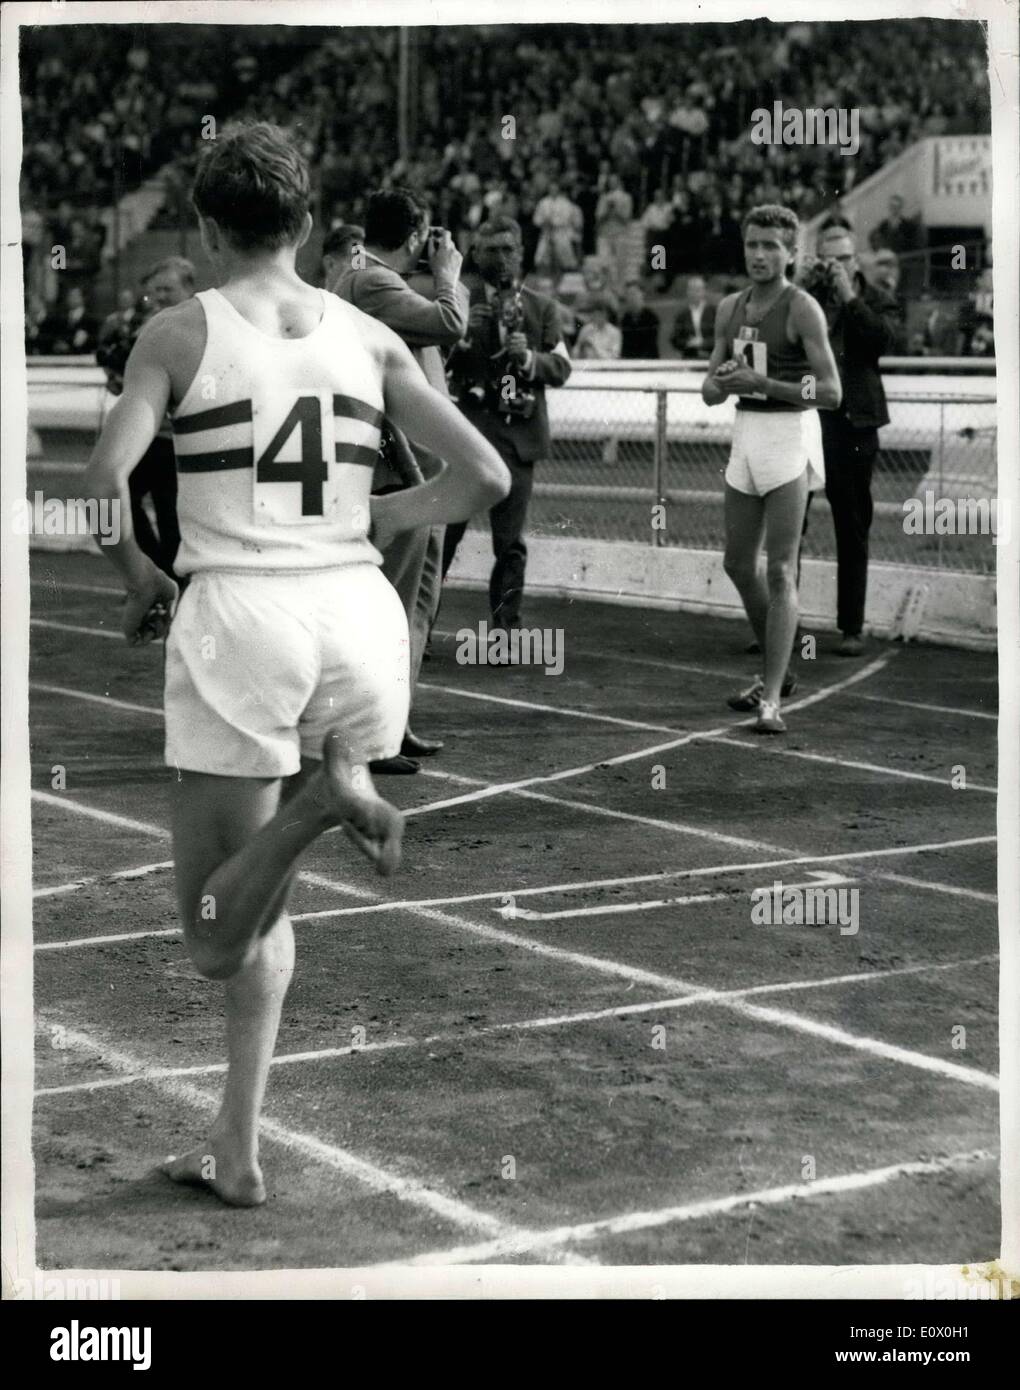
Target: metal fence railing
[643, 461]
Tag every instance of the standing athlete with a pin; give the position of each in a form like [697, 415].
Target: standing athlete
[772, 352]
[286, 660]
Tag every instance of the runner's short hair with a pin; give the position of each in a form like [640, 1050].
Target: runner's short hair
[342, 236]
[497, 226]
[392, 215]
[253, 182]
[785, 220]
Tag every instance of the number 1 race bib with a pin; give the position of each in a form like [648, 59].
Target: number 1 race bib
[293, 439]
[749, 350]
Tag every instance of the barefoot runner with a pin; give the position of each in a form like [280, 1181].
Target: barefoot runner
[772, 352]
[287, 659]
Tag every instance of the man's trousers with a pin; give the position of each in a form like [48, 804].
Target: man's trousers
[507, 520]
[849, 464]
[155, 474]
[412, 565]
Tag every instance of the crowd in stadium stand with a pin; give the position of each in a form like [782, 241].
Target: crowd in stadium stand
[577, 131]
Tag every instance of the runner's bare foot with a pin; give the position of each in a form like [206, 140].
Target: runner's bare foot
[344, 789]
[237, 1184]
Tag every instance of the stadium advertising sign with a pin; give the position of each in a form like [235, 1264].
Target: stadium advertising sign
[959, 186]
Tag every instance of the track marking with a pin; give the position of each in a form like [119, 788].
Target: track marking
[142, 872]
[83, 631]
[493, 1251]
[942, 888]
[681, 666]
[574, 886]
[65, 803]
[883, 771]
[549, 709]
[512, 914]
[72, 694]
[650, 1006]
[309, 1146]
[935, 709]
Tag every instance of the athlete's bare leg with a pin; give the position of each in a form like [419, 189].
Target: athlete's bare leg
[784, 523]
[744, 517]
[236, 845]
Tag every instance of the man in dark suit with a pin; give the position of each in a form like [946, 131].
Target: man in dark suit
[514, 350]
[430, 313]
[694, 331]
[71, 329]
[863, 324]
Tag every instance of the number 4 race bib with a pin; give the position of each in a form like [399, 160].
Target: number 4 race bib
[293, 440]
[754, 354]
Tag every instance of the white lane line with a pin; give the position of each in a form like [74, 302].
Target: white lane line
[107, 700]
[883, 770]
[309, 1146]
[819, 879]
[494, 1251]
[682, 666]
[549, 709]
[935, 709]
[81, 808]
[580, 886]
[650, 1006]
[82, 941]
[942, 888]
[141, 872]
[83, 631]
[616, 969]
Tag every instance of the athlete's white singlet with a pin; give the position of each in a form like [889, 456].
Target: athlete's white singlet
[276, 440]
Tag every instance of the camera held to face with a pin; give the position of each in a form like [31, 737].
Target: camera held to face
[820, 278]
[432, 245]
[510, 397]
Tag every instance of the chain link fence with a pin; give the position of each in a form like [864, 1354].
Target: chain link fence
[628, 443]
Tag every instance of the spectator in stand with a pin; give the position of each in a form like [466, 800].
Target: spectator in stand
[560, 224]
[903, 235]
[613, 216]
[338, 249]
[694, 330]
[656, 221]
[599, 340]
[976, 310]
[71, 329]
[639, 326]
[36, 332]
[982, 344]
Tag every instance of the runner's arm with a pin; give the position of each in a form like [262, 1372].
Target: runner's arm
[713, 392]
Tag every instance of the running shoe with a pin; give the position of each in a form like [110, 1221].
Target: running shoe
[750, 698]
[769, 721]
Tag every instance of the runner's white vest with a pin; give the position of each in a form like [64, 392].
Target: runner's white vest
[275, 442]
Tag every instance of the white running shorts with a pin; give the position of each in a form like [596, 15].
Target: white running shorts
[772, 447]
[259, 666]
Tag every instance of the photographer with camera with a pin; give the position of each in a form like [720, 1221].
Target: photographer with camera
[864, 322]
[168, 283]
[514, 350]
[407, 275]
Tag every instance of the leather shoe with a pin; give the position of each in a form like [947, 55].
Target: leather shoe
[393, 767]
[415, 747]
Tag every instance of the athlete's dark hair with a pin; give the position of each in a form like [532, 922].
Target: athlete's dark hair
[253, 183]
[497, 226]
[785, 220]
[392, 215]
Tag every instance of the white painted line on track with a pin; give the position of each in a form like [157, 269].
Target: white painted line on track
[83, 631]
[549, 709]
[142, 871]
[883, 770]
[949, 888]
[69, 693]
[650, 1006]
[819, 879]
[934, 709]
[495, 1251]
[577, 886]
[309, 1146]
